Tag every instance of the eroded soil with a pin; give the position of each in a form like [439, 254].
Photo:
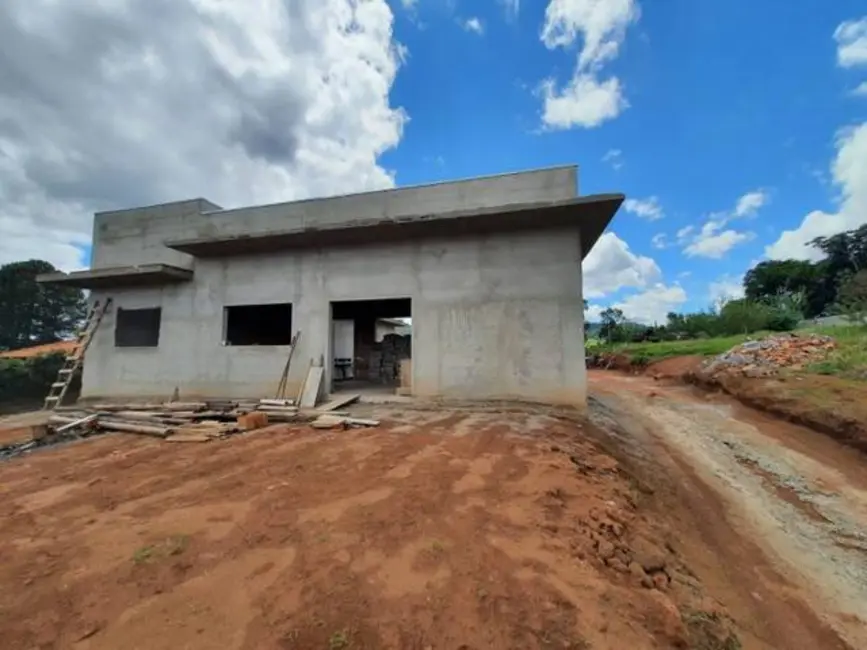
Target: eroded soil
[796, 495]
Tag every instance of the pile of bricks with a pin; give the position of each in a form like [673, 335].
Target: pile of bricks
[387, 358]
[767, 356]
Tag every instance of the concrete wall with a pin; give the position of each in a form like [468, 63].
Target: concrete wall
[136, 236]
[493, 317]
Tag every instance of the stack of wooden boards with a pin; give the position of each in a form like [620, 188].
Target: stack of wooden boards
[199, 421]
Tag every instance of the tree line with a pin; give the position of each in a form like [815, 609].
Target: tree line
[778, 295]
[33, 314]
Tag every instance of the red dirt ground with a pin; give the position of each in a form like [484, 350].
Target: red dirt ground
[435, 530]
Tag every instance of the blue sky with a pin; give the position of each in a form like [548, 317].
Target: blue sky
[737, 129]
[725, 100]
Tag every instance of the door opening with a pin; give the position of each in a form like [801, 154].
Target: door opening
[371, 345]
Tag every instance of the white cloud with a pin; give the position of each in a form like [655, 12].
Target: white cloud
[684, 233]
[725, 288]
[750, 203]
[714, 239]
[117, 104]
[659, 240]
[648, 208]
[613, 157]
[851, 37]
[714, 242]
[611, 266]
[586, 101]
[849, 174]
[601, 23]
[861, 89]
[648, 307]
[473, 25]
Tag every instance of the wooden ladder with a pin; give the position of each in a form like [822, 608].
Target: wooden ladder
[75, 358]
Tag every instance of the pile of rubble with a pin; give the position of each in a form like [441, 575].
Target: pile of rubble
[767, 356]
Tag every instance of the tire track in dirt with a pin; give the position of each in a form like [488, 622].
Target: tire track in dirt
[808, 516]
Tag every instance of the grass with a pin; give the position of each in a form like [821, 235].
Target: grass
[174, 545]
[666, 349]
[848, 360]
[339, 640]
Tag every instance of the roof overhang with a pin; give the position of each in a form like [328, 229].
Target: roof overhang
[589, 214]
[120, 276]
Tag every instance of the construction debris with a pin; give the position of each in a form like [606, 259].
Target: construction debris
[312, 386]
[178, 421]
[766, 357]
[331, 421]
[339, 402]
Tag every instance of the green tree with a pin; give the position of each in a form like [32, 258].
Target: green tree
[845, 255]
[33, 313]
[612, 321]
[768, 280]
[852, 297]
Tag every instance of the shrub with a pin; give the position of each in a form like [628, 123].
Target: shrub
[28, 379]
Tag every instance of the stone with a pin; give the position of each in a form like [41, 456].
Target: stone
[605, 550]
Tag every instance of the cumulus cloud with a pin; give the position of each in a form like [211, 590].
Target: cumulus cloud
[750, 203]
[473, 25]
[861, 89]
[611, 266]
[849, 175]
[648, 208]
[110, 105]
[713, 240]
[647, 307]
[851, 37]
[586, 100]
[848, 169]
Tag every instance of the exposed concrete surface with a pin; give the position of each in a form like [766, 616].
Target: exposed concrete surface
[493, 317]
[588, 214]
[137, 236]
[120, 276]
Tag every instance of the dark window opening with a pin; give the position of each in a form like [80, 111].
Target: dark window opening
[137, 328]
[258, 324]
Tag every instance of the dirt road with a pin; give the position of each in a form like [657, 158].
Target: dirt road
[795, 494]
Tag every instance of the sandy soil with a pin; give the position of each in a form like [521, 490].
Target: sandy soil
[800, 496]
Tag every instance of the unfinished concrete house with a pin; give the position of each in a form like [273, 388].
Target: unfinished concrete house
[466, 289]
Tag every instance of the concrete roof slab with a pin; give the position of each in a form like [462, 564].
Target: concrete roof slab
[120, 276]
[589, 214]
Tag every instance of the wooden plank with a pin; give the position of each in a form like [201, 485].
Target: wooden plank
[77, 423]
[129, 427]
[311, 387]
[361, 422]
[188, 437]
[276, 402]
[337, 402]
